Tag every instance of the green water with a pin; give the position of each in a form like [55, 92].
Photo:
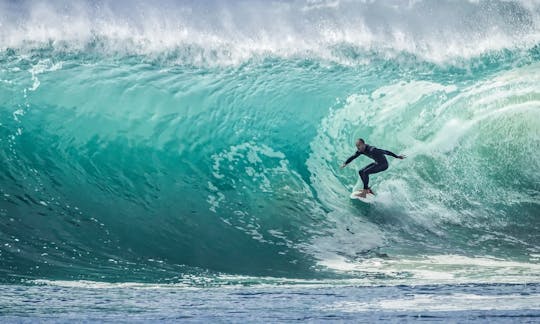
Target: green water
[119, 165]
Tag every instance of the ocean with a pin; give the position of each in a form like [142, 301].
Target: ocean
[180, 161]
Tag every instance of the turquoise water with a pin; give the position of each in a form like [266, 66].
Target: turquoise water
[187, 145]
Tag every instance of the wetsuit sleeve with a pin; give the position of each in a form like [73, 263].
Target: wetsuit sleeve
[389, 153]
[352, 157]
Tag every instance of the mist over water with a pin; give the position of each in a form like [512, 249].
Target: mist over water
[164, 142]
[216, 32]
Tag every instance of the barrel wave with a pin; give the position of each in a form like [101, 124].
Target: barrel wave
[145, 145]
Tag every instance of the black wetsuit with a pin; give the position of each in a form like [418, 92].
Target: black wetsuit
[379, 165]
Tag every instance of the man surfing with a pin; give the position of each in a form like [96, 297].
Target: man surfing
[379, 165]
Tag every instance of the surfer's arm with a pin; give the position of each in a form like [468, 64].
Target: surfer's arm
[393, 155]
[352, 157]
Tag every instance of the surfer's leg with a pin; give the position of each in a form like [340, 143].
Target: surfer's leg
[364, 175]
[370, 169]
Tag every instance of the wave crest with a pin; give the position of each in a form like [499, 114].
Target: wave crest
[232, 32]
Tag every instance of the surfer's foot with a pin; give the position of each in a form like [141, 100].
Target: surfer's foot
[370, 191]
[363, 193]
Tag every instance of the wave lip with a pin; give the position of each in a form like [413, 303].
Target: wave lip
[435, 31]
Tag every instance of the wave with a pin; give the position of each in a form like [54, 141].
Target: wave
[118, 166]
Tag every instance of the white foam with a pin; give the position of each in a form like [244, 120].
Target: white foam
[425, 270]
[236, 31]
[442, 302]
[443, 269]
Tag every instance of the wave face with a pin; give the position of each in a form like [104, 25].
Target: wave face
[151, 143]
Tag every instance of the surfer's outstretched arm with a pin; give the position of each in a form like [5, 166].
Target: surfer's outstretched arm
[352, 157]
[393, 155]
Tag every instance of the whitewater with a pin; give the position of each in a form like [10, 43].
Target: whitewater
[174, 159]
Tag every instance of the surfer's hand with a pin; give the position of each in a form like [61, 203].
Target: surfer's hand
[343, 165]
[401, 157]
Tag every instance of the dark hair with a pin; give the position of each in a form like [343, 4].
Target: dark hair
[362, 140]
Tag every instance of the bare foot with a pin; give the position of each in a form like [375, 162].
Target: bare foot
[362, 193]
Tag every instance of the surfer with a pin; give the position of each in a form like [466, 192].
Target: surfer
[379, 165]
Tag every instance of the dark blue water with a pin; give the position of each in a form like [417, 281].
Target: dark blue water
[308, 301]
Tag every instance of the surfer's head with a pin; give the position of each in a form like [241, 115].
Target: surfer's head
[360, 144]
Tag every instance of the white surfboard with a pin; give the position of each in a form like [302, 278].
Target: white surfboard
[368, 200]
